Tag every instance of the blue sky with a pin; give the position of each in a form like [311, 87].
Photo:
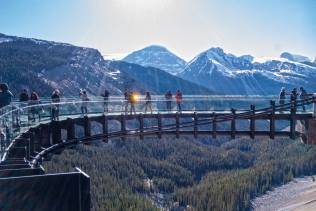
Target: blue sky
[187, 27]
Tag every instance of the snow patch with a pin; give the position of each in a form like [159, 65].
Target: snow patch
[4, 40]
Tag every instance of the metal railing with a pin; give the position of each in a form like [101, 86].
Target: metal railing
[20, 117]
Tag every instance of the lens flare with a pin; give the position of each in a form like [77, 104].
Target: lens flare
[135, 97]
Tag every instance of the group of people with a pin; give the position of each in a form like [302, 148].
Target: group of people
[178, 98]
[31, 100]
[130, 99]
[294, 94]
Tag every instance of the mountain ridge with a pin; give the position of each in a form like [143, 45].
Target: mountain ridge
[157, 56]
[229, 74]
[46, 65]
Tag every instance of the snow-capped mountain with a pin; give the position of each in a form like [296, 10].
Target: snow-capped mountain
[44, 65]
[295, 57]
[227, 73]
[158, 57]
[158, 80]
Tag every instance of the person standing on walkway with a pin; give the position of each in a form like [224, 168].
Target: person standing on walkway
[5, 95]
[84, 102]
[35, 110]
[106, 100]
[303, 97]
[126, 100]
[168, 97]
[293, 99]
[282, 96]
[148, 103]
[179, 100]
[133, 100]
[55, 104]
[24, 97]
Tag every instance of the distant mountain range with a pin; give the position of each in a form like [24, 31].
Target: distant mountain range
[43, 66]
[226, 73]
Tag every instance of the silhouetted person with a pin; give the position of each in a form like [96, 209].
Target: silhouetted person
[293, 98]
[106, 100]
[84, 102]
[132, 101]
[303, 97]
[126, 100]
[34, 102]
[55, 106]
[148, 102]
[5, 95]
[179, 100]
[168, 97]
[282, 96]
[24, 96]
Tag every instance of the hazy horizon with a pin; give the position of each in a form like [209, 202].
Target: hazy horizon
[118, 27]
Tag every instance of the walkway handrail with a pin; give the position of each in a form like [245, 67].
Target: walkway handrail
[170, 127]
[17, 120]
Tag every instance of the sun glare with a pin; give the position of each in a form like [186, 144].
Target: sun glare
[141, 4]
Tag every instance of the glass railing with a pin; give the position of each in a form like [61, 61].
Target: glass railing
[19, 117]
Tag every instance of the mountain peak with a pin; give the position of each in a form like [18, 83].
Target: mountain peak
[157, 56]
[295, 57]
[247, 57]
[155, 48]
[216, 50]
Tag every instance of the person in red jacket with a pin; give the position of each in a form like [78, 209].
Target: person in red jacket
[179, 99]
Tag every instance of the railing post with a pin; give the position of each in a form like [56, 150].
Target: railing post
[177, 125]
[252, 121]
[272, 119]
[141, 126]
[87, 126]
[292, 123]
[2, 144]
[105, 128]
[233, 124]
[159, 122]
[7, 136]
[32, 142]
[71, 129]
[44, 135]
[314, 105]
[56, 132]
[36, 135]
[123, 126]
[195, 125]
[214, 125]
[295, 105]
[27, 148]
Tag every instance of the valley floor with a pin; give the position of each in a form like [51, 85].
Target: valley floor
[300, 195]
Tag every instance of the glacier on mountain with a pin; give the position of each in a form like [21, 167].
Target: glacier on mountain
[229, 74]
